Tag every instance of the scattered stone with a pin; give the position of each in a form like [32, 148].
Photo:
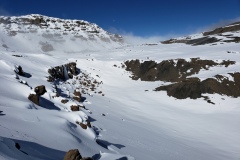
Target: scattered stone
[84, 126]
[74, 108]
[17, 146]
[15, 55]
[64, 101]
[77, 93]
[73, 155]
[77, 99]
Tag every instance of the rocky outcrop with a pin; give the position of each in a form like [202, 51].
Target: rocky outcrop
[210, 37]
[178, 70]
[229, 28]
[39, 90]
[170, 70]
[62, 72]
[73, 155]
[194, 42]
[194, 88]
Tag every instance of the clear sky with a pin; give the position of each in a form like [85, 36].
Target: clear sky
[139, 17]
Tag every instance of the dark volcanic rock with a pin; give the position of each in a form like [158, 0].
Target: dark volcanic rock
[194, 88]
[229, 28]
[34, 98]
[64, 101]
[169, 70]
[40, 90]
[62, 72]
[202, 41]
[17, 146]
[195, 42]
[74, 108]
[73, 155]
[18, 69]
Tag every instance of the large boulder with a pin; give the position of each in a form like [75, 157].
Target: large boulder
[34, 98]
[73, 155]
[40, 90]
[18, 69]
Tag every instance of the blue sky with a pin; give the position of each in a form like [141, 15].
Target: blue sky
[143, 18]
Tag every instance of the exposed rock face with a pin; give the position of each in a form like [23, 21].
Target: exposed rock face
[62, 72]
[194, 42]
[73, 155]
[194, 88]
[178, 70]
[169, 70]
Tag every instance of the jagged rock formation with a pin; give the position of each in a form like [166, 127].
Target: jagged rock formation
[217, 35]
[63, 72]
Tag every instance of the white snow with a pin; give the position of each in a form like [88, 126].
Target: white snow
[138, 124]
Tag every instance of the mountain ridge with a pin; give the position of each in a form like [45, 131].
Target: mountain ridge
[49, 33]
[226, 34]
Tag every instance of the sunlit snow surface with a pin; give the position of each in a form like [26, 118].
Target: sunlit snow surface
[139, 124]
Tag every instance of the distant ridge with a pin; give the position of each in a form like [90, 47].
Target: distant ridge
[226, 34]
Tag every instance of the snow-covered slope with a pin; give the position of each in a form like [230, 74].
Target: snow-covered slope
[37, 33]
[129, 120]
